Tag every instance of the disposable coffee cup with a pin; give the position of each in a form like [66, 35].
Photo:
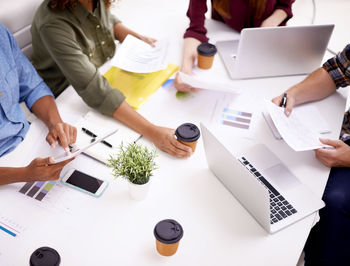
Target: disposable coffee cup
[45, 256]
[188, 134]
[206, 52]
[168, 234]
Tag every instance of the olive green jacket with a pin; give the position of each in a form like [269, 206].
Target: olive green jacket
[68, 48]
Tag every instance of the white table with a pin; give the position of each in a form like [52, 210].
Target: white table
[115, 230]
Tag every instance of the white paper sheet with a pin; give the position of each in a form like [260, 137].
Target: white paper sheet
[299, 135]
[137, 56]
[202, 83]
[309, 114]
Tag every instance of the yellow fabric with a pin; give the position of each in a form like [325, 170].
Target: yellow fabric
[137, 87]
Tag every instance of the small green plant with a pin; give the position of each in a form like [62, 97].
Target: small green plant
[134, 162]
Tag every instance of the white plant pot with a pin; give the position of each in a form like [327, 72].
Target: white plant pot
[138, 192]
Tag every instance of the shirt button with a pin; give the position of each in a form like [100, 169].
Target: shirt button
[98, 26]
[103, 42]
[108, 58]
[0, 94]
[90, 54]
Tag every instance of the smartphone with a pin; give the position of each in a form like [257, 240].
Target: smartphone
[84, 182]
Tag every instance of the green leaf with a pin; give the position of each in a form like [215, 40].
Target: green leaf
[134, 162]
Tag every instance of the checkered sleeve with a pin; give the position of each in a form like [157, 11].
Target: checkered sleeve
[338, 68]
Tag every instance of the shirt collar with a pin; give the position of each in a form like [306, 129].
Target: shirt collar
[82, 13]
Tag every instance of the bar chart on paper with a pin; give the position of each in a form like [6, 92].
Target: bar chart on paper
[37, 190]
[47, 194]
[236, 118]
[10, 227]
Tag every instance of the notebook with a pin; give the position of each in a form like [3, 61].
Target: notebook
[99, 124]
[137, 87]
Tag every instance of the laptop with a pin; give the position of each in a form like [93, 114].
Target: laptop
[260, 181]
[275, 51]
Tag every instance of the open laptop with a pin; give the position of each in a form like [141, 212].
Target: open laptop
[275, 51]
[261, 183]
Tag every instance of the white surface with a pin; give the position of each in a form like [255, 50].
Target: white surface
[137, 56]
[115, 230]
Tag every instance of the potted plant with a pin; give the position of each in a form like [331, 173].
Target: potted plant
[135, 163]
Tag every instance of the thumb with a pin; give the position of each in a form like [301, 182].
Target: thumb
[45, 161]
[331, 142]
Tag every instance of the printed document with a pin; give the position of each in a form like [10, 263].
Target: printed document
[299, 134]
[202, 83]
[137, 56]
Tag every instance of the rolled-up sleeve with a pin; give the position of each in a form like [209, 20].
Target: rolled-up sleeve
[78, 70]
[31, 85]
[338, 68]
[113, 19]
[196, 13]
[286, 6]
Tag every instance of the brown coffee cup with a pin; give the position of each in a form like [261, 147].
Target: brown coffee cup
[206, 53]
[168, 234]
[188, 134]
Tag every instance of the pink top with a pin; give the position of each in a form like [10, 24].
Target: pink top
[241, 16]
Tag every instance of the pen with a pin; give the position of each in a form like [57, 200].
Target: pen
[138, 139]
[284, 100]
[91, 134]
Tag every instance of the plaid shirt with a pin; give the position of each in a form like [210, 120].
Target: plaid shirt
[338, 68]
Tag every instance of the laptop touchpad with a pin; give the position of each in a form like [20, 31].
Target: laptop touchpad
[281, 176]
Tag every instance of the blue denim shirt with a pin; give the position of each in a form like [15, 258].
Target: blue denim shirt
[18, 82]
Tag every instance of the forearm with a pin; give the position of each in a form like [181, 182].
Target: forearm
[46, 110]
[128, 116]
[275, 19]
[189, 54]
[120, 32]
[12, 175]
[318, 85]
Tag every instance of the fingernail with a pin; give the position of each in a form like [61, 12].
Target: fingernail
[51, 160]
[67, 151]
[53, 145]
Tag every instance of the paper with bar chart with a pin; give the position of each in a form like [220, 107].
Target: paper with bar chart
[10, 227]
[49, 194]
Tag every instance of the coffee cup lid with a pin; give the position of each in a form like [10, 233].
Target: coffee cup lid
[168, 231]
[206, 49]
[187, 132]
[45, 256]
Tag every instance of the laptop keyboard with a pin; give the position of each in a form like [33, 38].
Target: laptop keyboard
[280, 208]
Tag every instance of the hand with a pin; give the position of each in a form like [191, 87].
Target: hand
[180, 86]
[148, 40]
[42, 169]
[64, 133]
[164, 139]
[289, 104]
[337, 157]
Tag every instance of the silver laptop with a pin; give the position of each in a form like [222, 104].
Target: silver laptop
[275, 51]
[261, 183]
